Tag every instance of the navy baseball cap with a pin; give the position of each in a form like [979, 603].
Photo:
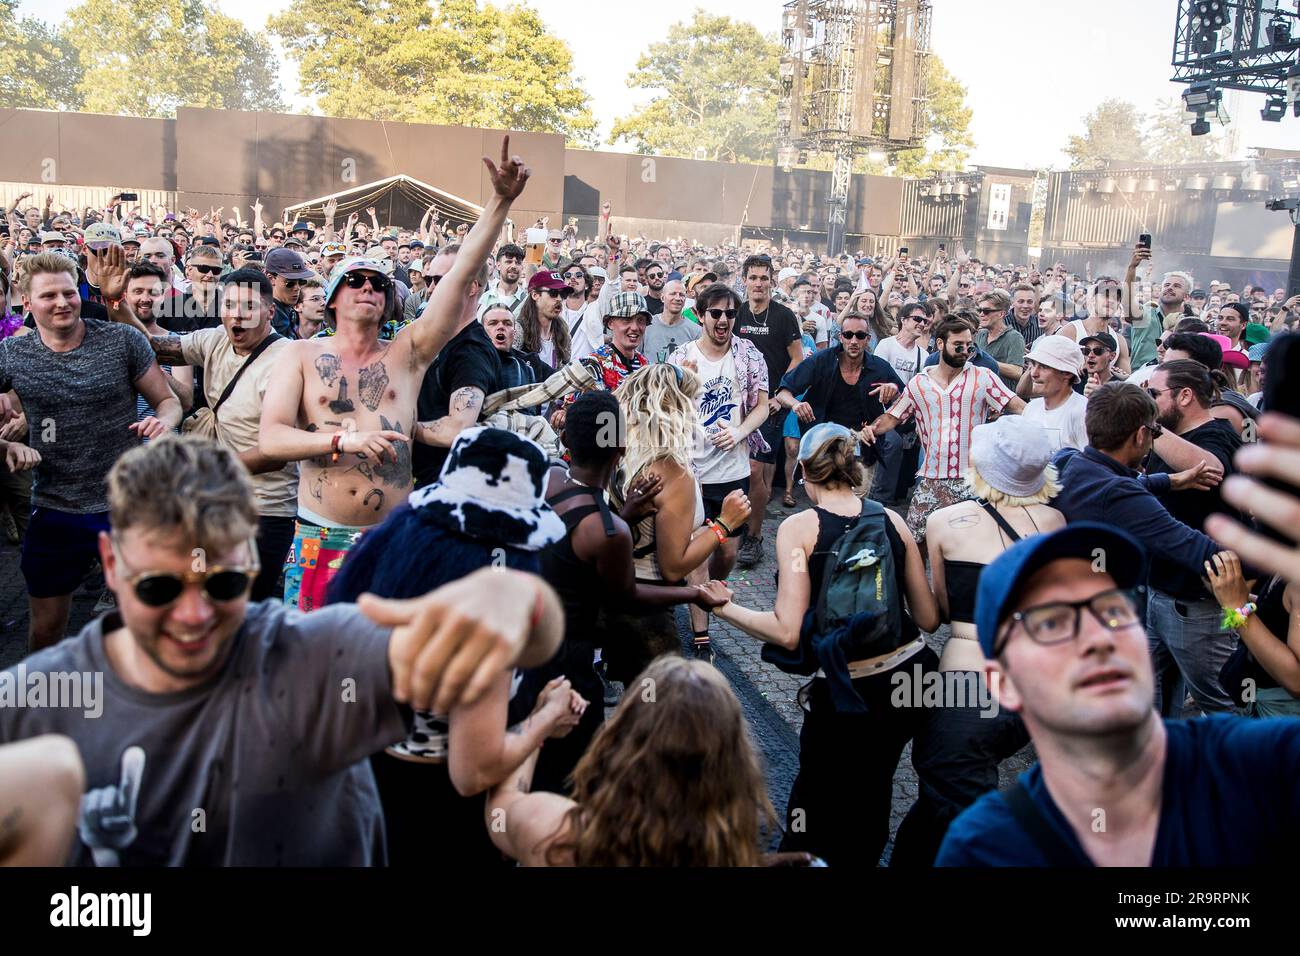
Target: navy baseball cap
[1000, 582]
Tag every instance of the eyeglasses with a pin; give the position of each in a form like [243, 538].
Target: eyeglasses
[1098, 350]
[160, 588]
[357, 280]
[206, 270]
[1058, 622]
[719, 313]
[853, 335]
[1157, 392]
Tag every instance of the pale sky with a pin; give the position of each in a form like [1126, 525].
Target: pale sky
[1032, 68]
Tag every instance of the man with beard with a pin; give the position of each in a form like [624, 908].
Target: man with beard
[947, 401]
[1147, 323]
[654, 288]
[1187, 633]
[775, 330]
[345, 406]
[287, 270]
[733, 407]
[1066, 649]
[508, 289]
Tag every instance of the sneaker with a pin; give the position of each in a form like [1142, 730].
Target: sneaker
[704, 651]
[750, 553]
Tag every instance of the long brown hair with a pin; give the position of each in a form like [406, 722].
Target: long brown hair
[532, 332]
[672, 779]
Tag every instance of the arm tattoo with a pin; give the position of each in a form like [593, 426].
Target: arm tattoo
[167, 348]
[466, 399]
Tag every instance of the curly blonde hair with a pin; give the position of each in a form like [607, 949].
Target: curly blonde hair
[661, 419]
[982, 489]
[673, 778]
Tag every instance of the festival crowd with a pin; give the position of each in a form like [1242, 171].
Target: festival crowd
[395, 522]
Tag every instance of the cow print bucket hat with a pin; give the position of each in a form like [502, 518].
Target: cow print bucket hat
[493, 486]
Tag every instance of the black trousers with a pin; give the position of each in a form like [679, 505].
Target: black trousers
[840, 803]
[274, 538]
[956, 756]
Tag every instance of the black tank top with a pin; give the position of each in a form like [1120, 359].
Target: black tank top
[961, 578]
[577, 582]
[1272, 614]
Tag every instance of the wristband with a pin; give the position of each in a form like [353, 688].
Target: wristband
[722, 524]
[1235, 618]
[717, 532]
[336, 446]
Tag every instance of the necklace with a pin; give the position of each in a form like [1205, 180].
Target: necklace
[754, 315]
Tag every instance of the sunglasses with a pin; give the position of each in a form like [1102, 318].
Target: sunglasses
[207, 270]
[854, 335]
[292, 283]
[553, 293]
[572, 275]
[379, 283]
[719, 313]
[158, 589]
[1094, 351]
[988, 311]
[919, 318]
[654, 275]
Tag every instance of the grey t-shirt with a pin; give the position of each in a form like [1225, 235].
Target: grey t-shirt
[264, 765]
[662, 340]
[79, 406]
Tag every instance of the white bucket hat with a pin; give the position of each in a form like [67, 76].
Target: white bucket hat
[1011, 454]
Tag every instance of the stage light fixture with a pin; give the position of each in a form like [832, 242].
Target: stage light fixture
[1273, 110]
[1278, 32]
[1200, 127]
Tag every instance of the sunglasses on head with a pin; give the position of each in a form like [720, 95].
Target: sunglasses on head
[160, 588]
[356, 280]
[854, 335]
[719, 313]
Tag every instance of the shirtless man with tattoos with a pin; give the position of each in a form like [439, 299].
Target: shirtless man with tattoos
[345, 406]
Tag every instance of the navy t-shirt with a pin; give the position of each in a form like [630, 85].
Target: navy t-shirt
[1230, 798]
[982, 359]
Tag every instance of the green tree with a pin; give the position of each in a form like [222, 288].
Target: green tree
[435, 61]
[947, 124]
[1169, 135]
[717, 83]
[1112, 137]
[38, 68]
[149, 59]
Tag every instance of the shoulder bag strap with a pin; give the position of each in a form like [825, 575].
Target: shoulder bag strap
[1005, 525]
[1049, 842]
[230, 386]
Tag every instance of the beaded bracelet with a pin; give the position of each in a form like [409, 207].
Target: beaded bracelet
[1236, 618]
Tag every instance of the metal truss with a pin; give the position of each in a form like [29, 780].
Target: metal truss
[1242, 58]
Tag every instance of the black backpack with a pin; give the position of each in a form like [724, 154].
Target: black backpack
[859, 590]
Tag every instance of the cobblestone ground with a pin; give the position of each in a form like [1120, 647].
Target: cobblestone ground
[738, 656]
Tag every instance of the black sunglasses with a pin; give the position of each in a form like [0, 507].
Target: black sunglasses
[719, 313]
[1094, 351]
[207, 270]
[988, 311]
[161, 588]
[380, 283]
[854, 335]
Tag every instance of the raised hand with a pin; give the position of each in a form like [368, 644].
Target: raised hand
[509, 179]
[108, 270]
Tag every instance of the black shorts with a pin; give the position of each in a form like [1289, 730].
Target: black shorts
[713, 495]
[771, 431]
[59, 550]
